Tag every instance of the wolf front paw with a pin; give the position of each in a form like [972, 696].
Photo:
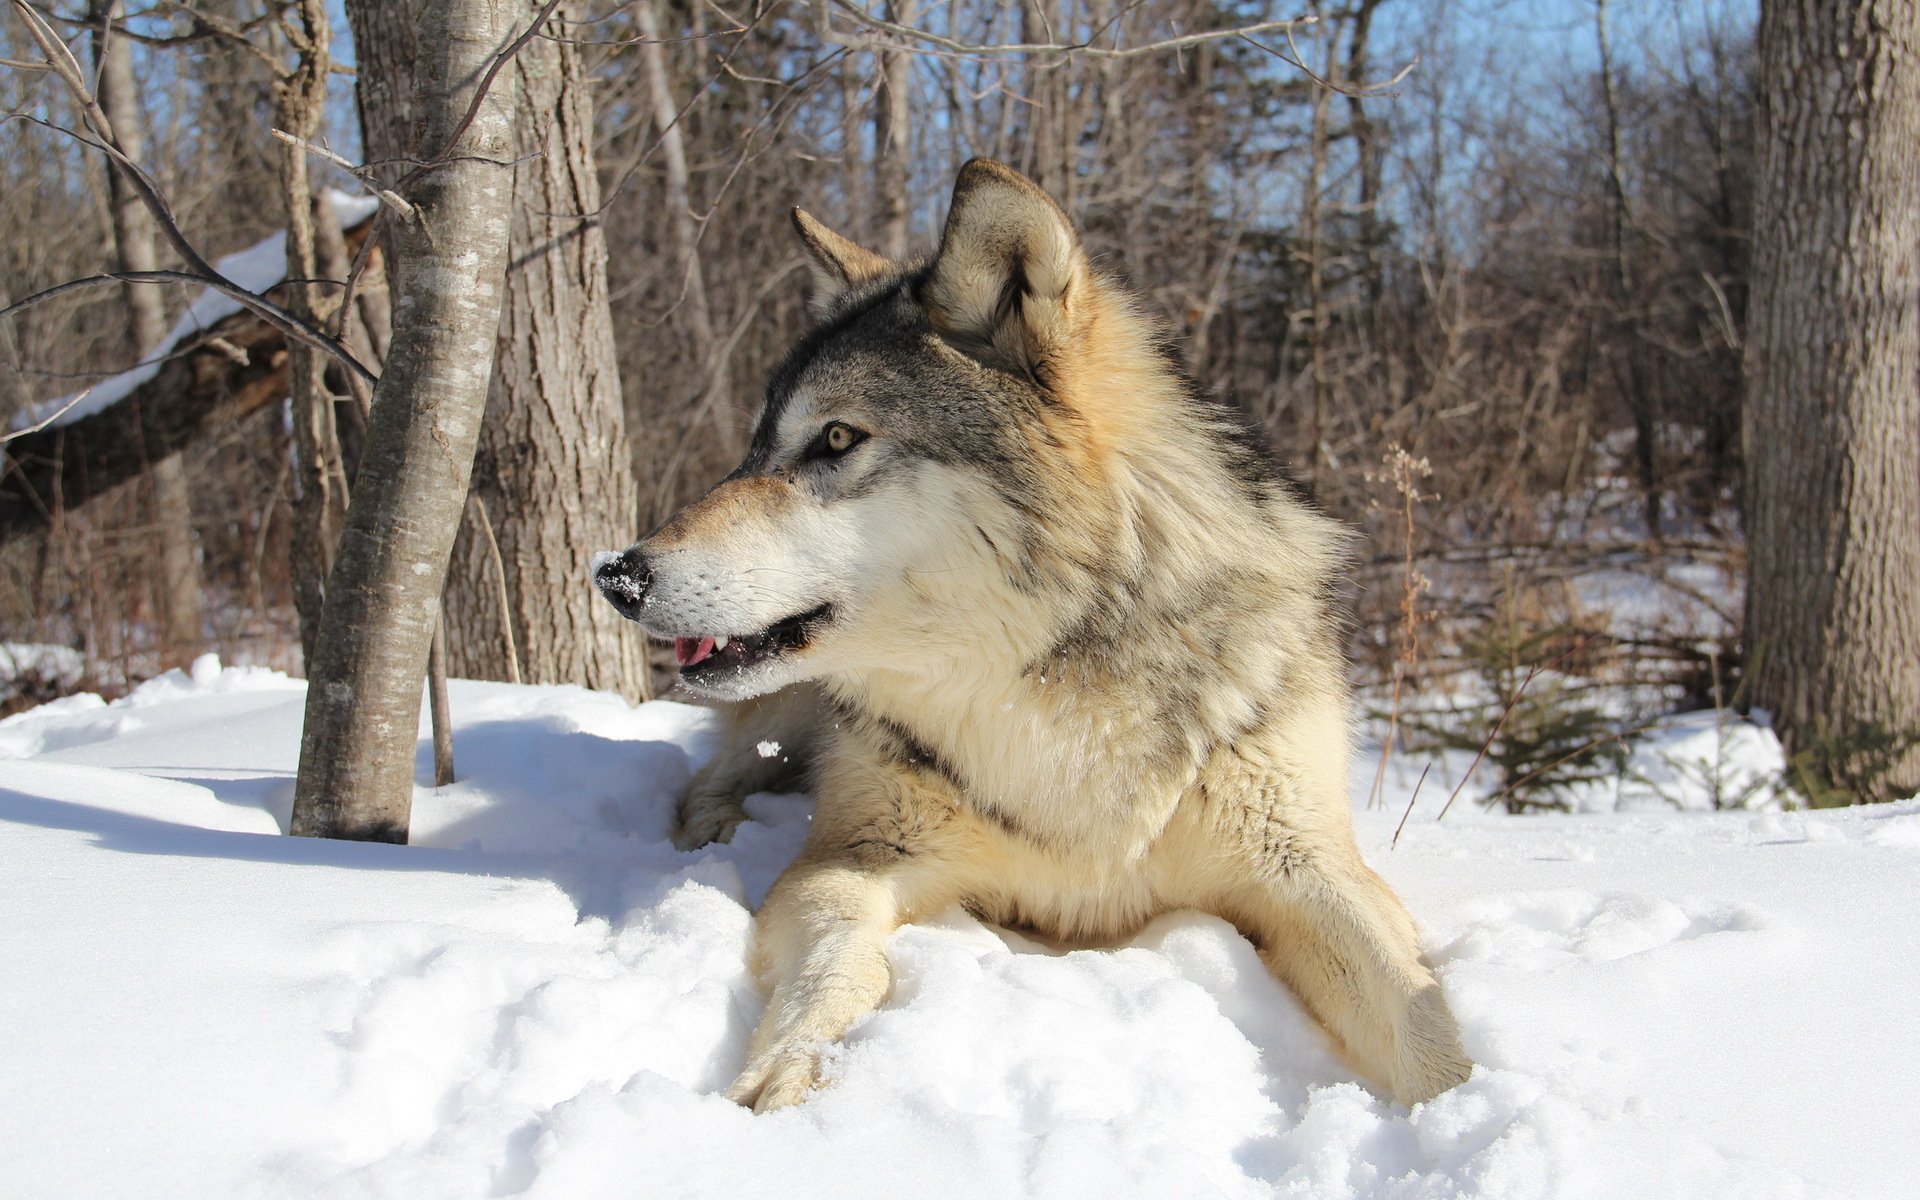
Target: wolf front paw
[1431, 1060]
[703, 817]
[780, 1077]
[1424, 1080]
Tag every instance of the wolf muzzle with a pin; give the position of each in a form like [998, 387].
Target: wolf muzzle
[624, 579]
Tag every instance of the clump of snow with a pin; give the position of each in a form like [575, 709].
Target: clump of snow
[256, 268]
[600, 559]
[767, 749]
[540, 997]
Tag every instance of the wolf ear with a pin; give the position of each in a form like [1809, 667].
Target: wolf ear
[838, 265]
[1010, 279]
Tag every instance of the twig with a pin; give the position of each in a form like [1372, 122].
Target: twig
[1533, 672]
[49, 419]
[361, 173]
[1395, 843]
[480, 93]
[1298, 62]
[1488, 744]
[1085, 49]
[500, 577]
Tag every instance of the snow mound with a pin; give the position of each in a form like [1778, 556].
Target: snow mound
[540, 997]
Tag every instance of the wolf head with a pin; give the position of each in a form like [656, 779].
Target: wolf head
[935, 473]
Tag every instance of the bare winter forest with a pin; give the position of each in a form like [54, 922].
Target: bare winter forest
[1481, 271]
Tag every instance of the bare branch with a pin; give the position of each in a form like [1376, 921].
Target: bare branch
[49, 419]
[1084, 49]
[361, 173]
[253, 302]
[1298, 62]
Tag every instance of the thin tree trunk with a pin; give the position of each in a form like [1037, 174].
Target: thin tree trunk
[679, 198]
[686, 236]
[1832, 422]
[320, 494]
[437, 706]
[383, 597]
[891, 140]
[1632, 377]
[1366, 149]
[554, 473]
[1313, 229]
[177, 582]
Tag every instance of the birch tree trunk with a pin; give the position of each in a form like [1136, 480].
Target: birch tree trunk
[177, 590]
[1832, 422]
[383, 595]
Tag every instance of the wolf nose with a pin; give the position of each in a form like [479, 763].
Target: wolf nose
[623, 579]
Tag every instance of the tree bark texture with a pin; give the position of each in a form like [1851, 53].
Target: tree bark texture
[1832, 422]
[383, 596]
[554, 472]
[177, 566]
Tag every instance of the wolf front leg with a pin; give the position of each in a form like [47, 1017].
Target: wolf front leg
[889, 839]
[820, 950]
[1341, 940]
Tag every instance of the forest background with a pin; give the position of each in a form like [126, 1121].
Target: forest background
[1480, 271]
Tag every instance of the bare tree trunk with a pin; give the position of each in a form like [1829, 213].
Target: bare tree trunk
[383, 597]
[177, 589]
[320, 495]
[1832, 424]
[1313, 229]
[1639, 397]
[554, 477]
[686, 236]
[1366, 149]
[891, 114]
[554, 473]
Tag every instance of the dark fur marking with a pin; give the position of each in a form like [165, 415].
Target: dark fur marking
[786, 377]
[910, 751]
[1004, 821]
[885, 849]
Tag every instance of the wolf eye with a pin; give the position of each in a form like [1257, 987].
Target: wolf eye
[836, 439]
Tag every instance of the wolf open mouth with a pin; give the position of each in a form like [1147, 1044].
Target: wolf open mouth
[704, 655]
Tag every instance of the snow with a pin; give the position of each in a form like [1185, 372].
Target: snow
[540, 997]
[256, 268]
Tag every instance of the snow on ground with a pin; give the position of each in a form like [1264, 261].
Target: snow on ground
[256, 268]
[541, 998]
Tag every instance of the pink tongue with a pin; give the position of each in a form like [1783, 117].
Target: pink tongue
[688, 651]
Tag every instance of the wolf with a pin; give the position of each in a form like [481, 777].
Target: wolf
[1046, 633]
